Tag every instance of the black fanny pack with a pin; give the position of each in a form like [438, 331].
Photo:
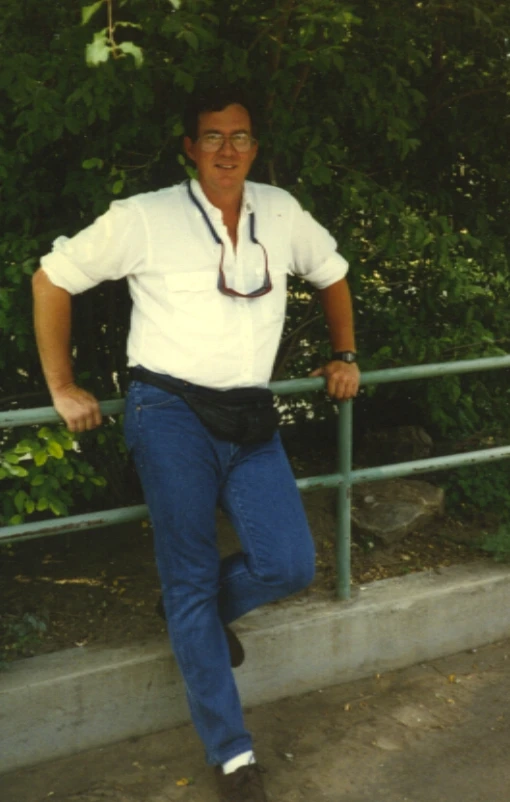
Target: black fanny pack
[245, 416]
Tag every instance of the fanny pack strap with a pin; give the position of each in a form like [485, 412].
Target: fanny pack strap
[167, 383]
[181, 388]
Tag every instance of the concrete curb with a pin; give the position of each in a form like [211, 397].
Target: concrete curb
[62, 703]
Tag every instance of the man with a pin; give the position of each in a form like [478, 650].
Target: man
[206, 262]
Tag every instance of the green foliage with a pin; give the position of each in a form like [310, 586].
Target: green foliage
[19, 634]
[479, 489]
[481, 493]
[498, 543]
[43, 471]
[390, 121]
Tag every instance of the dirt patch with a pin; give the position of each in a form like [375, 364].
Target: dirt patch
[101, 587]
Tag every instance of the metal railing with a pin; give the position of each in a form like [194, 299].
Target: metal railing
[343, 479]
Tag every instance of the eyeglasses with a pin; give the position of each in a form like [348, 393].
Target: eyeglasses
[267, 285]
[214, 141]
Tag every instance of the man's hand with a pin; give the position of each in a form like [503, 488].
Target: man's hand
[79, 409]
[342, 379]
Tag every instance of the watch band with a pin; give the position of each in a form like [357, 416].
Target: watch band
[344, 356]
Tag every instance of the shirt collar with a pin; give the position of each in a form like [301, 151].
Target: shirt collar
[247, 202]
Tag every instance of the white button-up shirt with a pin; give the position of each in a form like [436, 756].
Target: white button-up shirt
[181, 324]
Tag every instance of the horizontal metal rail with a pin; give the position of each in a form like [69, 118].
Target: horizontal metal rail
[343, 480]
[434, 370]
[27, 417]
[74, 523]
[31, 417]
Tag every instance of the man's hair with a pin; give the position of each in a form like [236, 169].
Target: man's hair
[216, 99]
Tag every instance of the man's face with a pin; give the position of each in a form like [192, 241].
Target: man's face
[222, 173]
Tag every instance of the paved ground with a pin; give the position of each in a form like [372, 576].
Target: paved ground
[438, 732]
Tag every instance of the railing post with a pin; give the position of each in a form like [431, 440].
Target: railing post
[343, 517]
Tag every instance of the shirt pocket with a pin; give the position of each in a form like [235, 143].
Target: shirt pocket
[194, 302]
[197, 281]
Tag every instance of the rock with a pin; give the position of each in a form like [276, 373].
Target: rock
[389, 510]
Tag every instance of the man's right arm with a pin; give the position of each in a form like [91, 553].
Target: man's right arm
[52, 321]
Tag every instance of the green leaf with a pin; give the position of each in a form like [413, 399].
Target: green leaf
[38, 480]
[55, 449]
[72, 125]
[25, 447]
[89, 164]
[99, 50]
[42, 505]
[190, 38]
[65, 438]
[129, 48]
[19, 500]
[16, 519]
[118, 186]
[124, 24]
[17, 470]
[40, 458]
[87, 12]
[184, 79]
[58, 507]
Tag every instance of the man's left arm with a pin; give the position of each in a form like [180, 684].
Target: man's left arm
[342, 378]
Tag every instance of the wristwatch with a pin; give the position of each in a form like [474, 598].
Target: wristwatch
[343, 356]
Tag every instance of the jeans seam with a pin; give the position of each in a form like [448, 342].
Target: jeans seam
[249, 528]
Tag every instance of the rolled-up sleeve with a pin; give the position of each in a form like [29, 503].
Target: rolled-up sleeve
[315, 254]
[107, 249]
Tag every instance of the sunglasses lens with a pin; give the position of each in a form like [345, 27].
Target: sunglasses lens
[266, 287]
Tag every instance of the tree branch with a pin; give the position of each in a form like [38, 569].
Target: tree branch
[305, 71]
[288, 344]
[277, 54]
[111, 29]
[282, 27]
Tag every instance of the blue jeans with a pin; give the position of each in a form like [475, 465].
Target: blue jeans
[186, 473]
